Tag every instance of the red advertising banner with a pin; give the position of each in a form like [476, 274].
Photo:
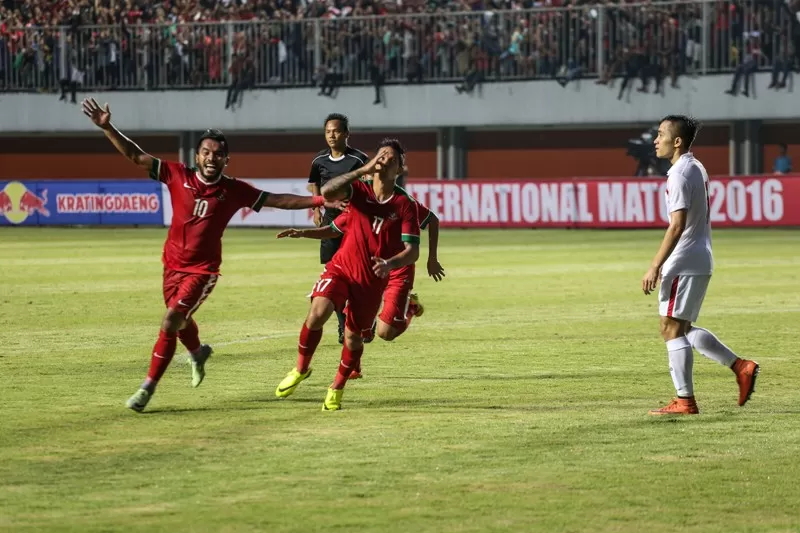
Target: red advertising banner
[747, 201]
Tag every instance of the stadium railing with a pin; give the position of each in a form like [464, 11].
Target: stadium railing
[647, 39]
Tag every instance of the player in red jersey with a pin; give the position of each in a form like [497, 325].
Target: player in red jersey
[203, 202]
[383, 235]
[400, 305]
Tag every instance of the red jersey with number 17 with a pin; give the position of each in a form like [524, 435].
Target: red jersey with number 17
[342, 223]
[375, 229]
[200, 213]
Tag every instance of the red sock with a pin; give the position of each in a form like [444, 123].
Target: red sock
[162, 355]
[351, 359]
[190, 336]
[309, 340]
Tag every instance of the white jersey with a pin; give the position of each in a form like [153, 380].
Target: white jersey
[687, 188]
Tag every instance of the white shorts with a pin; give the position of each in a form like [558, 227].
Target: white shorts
[681, 296]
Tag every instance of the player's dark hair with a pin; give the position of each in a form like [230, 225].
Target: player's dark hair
[214, 135]
[686, 128]
[398, 147]
[343, 120]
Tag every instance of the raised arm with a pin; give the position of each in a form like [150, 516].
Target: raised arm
[338, 188]
[102, 119]
[435, 269]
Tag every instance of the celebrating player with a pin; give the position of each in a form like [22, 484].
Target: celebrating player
[337, 159]
[203, 202]
[684, 264]
[400, 305]
[382, 235]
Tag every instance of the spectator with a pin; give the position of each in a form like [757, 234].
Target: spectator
[747, 67]
[783, 163]
[185, 43]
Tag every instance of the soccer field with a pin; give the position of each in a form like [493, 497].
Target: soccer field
[518, 402]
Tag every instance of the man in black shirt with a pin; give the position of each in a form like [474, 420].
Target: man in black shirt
[337, 159]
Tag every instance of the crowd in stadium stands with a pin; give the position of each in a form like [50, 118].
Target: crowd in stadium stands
[239, 44]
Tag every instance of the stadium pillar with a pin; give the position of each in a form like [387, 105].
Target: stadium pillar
[186, 147]
[441, 136]
[456, 153]
[745, 148]
[734, 134]
[753, 154]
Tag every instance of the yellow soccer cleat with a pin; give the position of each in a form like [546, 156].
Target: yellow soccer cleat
[333, 401]
[290, 383]
[415, 306]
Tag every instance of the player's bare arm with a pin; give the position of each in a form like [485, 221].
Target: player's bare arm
[677, 223]
[296, 202]
[338, 188]
[313, 188]
[408, 256]
[101, 116]
[316, 233]
[435, 269]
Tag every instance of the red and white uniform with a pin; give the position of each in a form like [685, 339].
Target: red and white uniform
[401, 280]
[200, 213]
[687, 272]
[374, 229]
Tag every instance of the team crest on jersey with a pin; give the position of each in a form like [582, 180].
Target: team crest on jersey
[221, 197]
[393, 216]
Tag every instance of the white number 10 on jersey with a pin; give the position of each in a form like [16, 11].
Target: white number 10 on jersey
[200, 207]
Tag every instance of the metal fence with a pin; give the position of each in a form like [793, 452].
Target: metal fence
[653, 40]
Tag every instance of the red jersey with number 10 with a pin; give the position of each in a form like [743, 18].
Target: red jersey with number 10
[375, 229]
[200, 213]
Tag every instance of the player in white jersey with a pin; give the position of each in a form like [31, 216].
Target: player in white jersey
[683, 267]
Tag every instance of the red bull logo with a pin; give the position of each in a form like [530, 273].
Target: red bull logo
[17, 202]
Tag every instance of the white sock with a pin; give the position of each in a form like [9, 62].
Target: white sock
[681, 359]
[709, 345]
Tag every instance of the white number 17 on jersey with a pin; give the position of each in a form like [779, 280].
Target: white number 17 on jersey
[377, 224]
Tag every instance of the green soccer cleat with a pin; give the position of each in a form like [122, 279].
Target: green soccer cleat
[199, 364]
[290, 383]
[333, 401]
[138, 401]
[415, 306]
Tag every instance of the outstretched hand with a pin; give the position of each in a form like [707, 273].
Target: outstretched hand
[380, 267]
[435, 270]
[291, 233]
[100, 116]
[341, 205]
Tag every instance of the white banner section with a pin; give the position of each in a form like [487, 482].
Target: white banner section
[267, 217]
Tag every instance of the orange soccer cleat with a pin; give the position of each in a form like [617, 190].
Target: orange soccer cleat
[746, 372]
[678, 406]
[355, 374]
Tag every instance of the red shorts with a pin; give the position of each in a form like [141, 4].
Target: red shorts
[363, 301]
[395, 300]
[184, 292]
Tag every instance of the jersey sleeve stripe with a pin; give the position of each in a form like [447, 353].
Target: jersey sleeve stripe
[155, 170]
[335, 228]
[356, 157]
[413, 239]
[260, 201]
[424, 223]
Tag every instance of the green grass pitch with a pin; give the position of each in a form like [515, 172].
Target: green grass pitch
[518, 402]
